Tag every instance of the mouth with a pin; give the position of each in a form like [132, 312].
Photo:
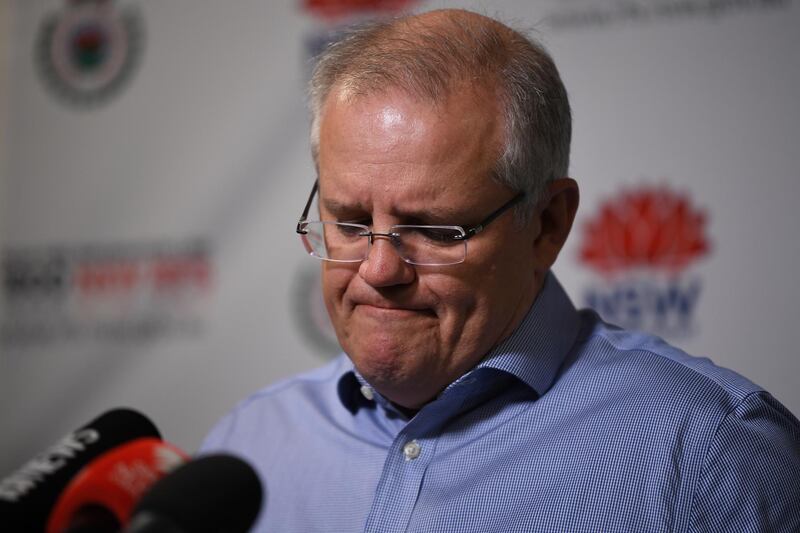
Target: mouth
[389, 312]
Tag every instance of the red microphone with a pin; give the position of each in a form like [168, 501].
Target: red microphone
[102, 496]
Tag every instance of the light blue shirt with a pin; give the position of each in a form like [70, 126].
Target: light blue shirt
[570, 425]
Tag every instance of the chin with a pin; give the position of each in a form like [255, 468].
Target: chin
[381, 351]
[382, 359]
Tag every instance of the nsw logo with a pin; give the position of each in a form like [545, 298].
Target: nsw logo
[642, 246]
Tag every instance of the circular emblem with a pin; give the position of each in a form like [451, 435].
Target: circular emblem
[87, 52]
[311, 315]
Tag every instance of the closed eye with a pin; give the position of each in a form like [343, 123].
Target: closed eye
[431, 235]
[349, 230]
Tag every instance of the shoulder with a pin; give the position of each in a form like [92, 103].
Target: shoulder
[309, 383]
[637, 383]
[645, 365]
[738, 446]
[278, 407]
[728, 447]
[750, 472]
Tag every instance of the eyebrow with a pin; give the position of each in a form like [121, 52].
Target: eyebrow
[335, 205]
[443, 215]
[338, 208]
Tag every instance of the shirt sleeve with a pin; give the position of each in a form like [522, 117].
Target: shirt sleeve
[750, 479]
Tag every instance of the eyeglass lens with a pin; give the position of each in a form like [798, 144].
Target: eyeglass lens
[420, 245]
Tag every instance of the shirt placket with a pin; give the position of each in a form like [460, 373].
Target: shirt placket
[410, 455]
[400, 483]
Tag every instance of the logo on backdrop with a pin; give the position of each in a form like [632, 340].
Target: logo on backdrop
[113, 293]
[87, 52]
[579, 14]
[333, 9]
[310, 313]
[337, 15]
[642, 246]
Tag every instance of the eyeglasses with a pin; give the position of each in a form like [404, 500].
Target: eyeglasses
[425, 245]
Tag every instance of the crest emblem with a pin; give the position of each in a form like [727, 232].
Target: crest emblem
[87, 52]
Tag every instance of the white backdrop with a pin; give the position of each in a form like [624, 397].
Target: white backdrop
[149, 257]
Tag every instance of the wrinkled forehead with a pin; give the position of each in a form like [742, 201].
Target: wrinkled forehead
[393, 121]
[392, 153]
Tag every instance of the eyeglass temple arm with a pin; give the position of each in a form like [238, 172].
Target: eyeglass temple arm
[304, 216]
[474, 230]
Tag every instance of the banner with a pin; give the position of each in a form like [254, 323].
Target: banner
[155, 161]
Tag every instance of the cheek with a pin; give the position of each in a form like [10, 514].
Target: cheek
[480, 293]
[456, 297]
[335, 281]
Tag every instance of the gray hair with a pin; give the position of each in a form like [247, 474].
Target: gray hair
[429, 59]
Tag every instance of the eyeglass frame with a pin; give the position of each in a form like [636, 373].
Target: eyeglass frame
[468, 232]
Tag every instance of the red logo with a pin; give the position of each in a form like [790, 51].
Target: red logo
[332, 9]
[651, 227]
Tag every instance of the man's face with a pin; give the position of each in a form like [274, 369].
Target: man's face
[389, 159]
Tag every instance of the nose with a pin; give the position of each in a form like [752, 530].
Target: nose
[384, 267]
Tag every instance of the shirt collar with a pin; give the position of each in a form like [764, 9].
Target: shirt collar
[533, 353]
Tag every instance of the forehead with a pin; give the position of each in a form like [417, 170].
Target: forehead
[392, 148]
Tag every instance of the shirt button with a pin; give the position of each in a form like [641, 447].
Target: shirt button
[412, 450]
[366, 392]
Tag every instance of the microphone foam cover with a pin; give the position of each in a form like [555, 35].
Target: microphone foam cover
[210, 494]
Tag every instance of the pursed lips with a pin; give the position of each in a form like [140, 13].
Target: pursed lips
[387, 310]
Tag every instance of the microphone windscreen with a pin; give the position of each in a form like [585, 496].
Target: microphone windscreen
[211, 494]
[28, 495]
[111, 485]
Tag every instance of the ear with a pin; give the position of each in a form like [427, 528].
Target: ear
[555, 218]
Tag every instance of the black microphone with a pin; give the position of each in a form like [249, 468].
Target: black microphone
[28, 495]
[211, 494]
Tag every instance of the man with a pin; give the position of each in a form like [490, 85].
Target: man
[473, 396]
